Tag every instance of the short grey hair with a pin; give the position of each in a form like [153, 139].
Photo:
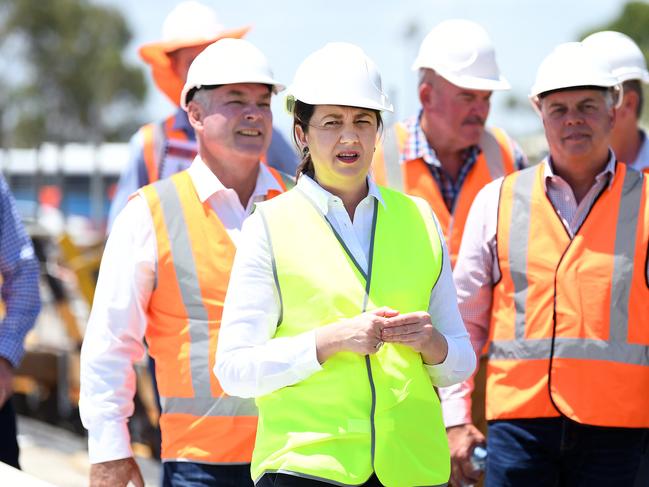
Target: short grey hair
[202, 98]
[425, 75]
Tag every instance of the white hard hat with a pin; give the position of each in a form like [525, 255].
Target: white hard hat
[338, 74]
[229, 61]
[189, 24]
[571, 65]
[625, 57]
[190, 20]
[461, 52]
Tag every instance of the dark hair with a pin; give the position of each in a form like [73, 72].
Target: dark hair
[302, 113]
[635, 86]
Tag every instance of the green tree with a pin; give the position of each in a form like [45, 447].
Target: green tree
[69, 81]
[632, 21]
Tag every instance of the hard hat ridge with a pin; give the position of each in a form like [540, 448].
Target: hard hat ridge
[622, 53]
[571, 65]
[340, 73]
[461, 52]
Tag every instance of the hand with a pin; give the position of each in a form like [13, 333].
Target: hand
[416, 331]
[6, 381]
[360, 334]
[116, 473]
[461, 441]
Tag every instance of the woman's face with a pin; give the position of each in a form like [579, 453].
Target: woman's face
[341, 141]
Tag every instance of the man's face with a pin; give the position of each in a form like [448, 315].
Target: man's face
[577, 124]
[237, 123]
[456, 115]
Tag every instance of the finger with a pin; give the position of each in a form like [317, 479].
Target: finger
[385, 312]
[136, 478]
[402, 330]
[467, 472]
[408, 319]
[454, 481]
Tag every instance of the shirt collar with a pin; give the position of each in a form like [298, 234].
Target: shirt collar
[322, 198]
[181, 122]
[642, 159]
[608, 171]
[207, 184]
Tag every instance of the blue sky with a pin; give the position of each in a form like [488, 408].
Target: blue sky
[523, 31]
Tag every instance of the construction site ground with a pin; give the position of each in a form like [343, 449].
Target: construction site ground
[60, 457]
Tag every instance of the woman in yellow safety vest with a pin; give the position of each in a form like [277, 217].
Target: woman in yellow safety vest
[341, 312]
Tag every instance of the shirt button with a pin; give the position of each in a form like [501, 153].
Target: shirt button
[567, 198]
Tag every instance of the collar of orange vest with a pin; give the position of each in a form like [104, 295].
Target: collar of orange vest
[156, 55]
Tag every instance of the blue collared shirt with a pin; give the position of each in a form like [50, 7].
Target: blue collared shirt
[19, 269]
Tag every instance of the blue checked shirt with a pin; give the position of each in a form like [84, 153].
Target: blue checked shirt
[19, 269]
[417, 147]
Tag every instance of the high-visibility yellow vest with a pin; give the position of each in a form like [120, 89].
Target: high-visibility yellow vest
[360, 413]
[570, 317]
[199, 422]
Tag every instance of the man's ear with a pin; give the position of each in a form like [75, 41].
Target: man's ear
[425, 94]
[195, 116]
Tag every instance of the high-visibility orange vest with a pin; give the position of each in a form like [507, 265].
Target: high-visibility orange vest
[570, 317]
[162, 142]
[199, 422]
[496, 159]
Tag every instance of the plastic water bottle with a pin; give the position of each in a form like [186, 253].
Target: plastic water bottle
[478, 460]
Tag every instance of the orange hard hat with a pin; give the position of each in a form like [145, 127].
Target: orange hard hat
[189, 24]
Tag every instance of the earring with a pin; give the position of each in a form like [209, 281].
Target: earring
[305, 150]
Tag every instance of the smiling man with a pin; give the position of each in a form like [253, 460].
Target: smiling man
[553, 270]
[164, 275]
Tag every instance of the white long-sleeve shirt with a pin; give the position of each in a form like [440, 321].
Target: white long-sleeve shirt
[251, 363]
[114, 337]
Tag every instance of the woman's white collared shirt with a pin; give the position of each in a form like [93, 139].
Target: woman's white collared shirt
[251, 363]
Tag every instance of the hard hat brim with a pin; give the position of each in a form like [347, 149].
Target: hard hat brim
[339, 101]
[476, 83]
[640, 75]
[156, 54]
[276, 87]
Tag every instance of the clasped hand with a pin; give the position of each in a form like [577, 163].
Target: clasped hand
[365, 333]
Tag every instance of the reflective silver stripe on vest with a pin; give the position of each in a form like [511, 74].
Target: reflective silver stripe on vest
[183, 261]
[393, 170]
[616, 348]
[574, 348]
[209, 406]
[493, 154]
[625, 237]
[519, 233]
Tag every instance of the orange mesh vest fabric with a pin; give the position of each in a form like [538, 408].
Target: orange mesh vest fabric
[199, 422]
[418, 181]
[570, 318]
